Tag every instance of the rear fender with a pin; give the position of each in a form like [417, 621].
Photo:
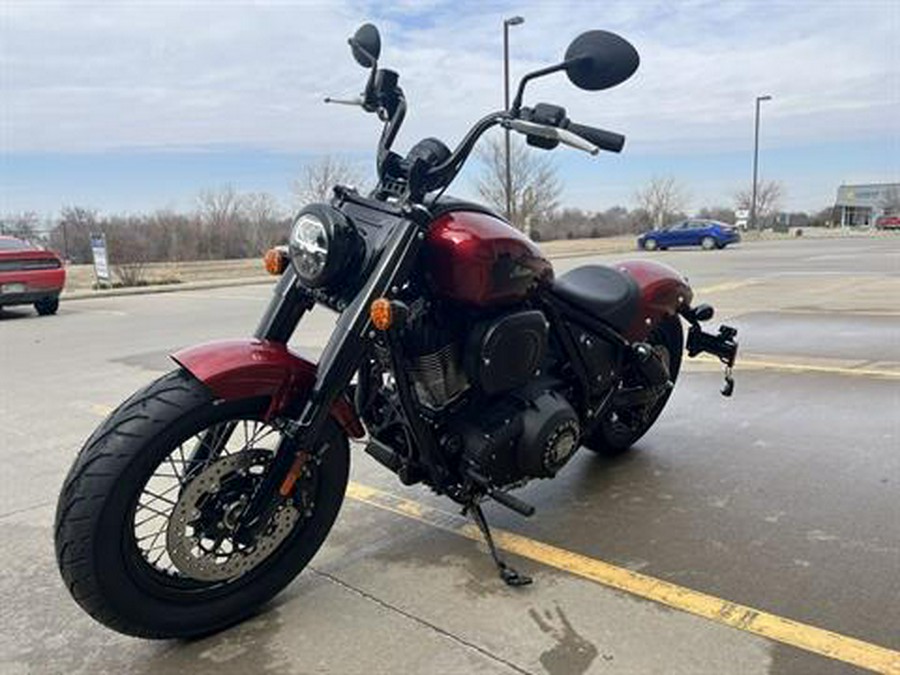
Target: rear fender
[247, 368]
[663, 293]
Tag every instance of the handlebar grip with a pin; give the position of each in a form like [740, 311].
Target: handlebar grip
[605, 140]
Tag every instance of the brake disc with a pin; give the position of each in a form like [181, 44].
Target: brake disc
[200, 556]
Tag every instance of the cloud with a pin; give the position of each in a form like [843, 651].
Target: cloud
[78, 77]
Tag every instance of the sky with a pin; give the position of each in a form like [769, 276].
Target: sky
[134, 106]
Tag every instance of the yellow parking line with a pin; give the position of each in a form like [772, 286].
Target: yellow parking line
[745, 363]
[800, 635]
[725, 286]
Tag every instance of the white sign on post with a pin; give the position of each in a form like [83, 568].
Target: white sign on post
[742, 217]
[101, 260]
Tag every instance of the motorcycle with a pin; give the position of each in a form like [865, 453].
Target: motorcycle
[458, 358]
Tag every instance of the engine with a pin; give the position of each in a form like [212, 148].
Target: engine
[481, 380]
[530, 433]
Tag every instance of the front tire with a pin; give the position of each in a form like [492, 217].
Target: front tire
[650, 244]
[620, 429]
[98, 545]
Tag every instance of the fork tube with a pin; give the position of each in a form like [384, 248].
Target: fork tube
[339, 361]
[290, 301]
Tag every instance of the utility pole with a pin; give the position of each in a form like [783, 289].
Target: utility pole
[756, 160]
[512, 21]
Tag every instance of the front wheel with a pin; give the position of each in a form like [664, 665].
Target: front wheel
[621, 427]
[650, 244]
[146, 524]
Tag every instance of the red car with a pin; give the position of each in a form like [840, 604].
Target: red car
[30, 275]
[888, 223]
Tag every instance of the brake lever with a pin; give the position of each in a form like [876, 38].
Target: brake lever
[555, 133]
[576, 141]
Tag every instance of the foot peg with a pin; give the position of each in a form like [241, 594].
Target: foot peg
[510, 576]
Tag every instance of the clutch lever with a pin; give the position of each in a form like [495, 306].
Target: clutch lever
[555, 133]
[346, 101]
[361, 102]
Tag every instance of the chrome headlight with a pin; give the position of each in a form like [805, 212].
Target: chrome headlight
[309, 247]
[322, 245]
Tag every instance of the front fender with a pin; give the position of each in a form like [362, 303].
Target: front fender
[663, 292]
[249, 368]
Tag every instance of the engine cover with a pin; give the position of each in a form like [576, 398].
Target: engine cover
[505, 353]
[528, 434]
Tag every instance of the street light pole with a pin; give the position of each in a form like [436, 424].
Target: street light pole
[756, 160]
[512, 21]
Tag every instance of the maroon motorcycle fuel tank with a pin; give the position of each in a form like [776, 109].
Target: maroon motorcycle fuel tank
[480, 260]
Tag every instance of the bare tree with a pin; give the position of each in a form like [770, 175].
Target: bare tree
[535, 186]
[723, 214]
[72, 235]
[219, 212]
[263, 216]
[824, 217]
[129, 252]
[662, 198]
[24, 225]
[769, 194]
[320, 176]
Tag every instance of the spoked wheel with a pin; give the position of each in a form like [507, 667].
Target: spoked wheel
[147, 534]
[621, 427]
[186, 517]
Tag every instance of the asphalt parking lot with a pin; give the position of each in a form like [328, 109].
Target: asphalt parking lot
[759, 534]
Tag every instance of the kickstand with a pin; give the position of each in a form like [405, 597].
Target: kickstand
[507, 573]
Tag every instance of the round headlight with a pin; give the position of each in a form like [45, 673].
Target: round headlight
[323, 245]
[309, 247]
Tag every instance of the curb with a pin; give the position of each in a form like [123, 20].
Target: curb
[166, 288]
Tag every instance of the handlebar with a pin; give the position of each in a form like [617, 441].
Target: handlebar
[581, 137]
[605, 140]
[384, 96]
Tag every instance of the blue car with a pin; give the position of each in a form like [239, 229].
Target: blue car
[709, 234]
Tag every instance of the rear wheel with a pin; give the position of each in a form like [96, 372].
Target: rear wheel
[622, 427]
[708, 243]
[47, 306]
[146, 536]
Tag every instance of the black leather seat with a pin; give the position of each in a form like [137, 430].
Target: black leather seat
[604, 292]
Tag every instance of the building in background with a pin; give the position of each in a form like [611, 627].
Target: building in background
[861, 205]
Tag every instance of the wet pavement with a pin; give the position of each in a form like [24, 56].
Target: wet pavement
[784, 498]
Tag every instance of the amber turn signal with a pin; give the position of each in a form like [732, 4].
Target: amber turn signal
[380, 313]
[276, 260]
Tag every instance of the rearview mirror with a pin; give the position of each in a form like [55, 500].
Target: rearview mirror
[599, 59]
[366, 45]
